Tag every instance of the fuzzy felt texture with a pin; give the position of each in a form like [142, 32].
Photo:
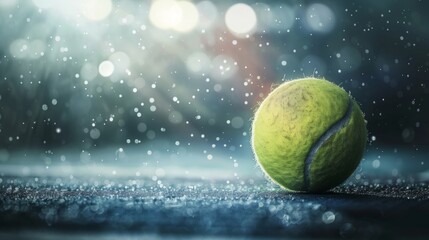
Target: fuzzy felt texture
[308, 135]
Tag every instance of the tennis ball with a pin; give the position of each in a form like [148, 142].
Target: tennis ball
[308, 135]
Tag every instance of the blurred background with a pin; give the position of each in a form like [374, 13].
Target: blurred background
[98, 81]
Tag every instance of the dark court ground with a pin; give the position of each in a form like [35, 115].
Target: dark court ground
[219, 201]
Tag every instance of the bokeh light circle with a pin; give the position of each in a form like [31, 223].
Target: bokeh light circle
[181, 16]
[320, 18]
[240, 19]
[106, 68]
[96, 10]
[189, 17]
[165, 14]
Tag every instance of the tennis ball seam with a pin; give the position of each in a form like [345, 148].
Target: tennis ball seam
[289, 122]
[332, 130]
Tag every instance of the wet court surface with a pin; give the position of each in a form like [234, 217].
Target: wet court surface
[130, 208]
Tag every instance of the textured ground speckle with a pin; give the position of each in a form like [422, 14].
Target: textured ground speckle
[49, 208]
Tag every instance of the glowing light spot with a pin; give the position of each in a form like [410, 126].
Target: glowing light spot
[181, 16]
[106, 68]
[96, 10]
[189, 17]
[320, 18]
[240, 19]
[165, 14]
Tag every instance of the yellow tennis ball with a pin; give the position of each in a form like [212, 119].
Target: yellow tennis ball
[308, 135]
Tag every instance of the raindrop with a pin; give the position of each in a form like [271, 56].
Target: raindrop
[376, 163]
[94, 133]
[328, 217]
[141, 127]
[237, 122]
